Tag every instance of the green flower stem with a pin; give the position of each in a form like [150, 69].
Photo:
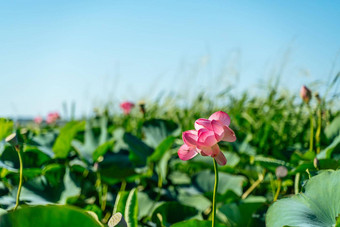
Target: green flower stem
[318, 131]
[99, 189]
[20, 177]
[296, 183]
[278, 190]
[311, 129]
[104, 197]
[214, 195]
[253, 186]
[159, 184]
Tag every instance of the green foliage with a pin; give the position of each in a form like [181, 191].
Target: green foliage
[6, 128]
[171, 212]
[62, 145]
[53, 216]
[204, 181]
[318, 206]
[195, 223]
[112, 163]
[160, 150]
[241, 213]
[156, 130]
[127, 205]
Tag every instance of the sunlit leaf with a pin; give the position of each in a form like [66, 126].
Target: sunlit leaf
[204, 181]
[196, 223]
[52, 216]
[156, 130]
[163, 147]
[62, 145]
[318, 206]
[6, 128]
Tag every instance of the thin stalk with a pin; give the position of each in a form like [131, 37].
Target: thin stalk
[252, 187]
[296, 183]
[159, 184]
[311, 138]
[309, 176]
[99, 189]
[20, 178]
[104, 197]
[278, 190]
[318, 131]
[214, 195]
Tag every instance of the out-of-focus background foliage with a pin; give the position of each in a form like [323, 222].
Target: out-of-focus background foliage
[68, 68]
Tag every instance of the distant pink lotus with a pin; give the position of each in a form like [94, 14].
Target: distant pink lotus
[204, 140]
[52, 117]
[126, 107]
[38, 120]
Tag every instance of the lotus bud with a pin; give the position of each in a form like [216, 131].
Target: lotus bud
[126, 107]
[305, 94]
[281, 172]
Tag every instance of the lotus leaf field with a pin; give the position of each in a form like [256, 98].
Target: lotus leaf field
[132, 168]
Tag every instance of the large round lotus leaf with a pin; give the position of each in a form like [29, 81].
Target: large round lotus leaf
[51, 216]
[195, 223]
[318, 206]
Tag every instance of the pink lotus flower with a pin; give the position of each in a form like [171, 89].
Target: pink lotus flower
[52, 117]
[305, 94]
[38, 120]
[126, 107]
[204, 140]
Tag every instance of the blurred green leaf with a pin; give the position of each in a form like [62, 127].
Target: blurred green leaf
[55, 186]
[34, 157]
[333, 129]
[195, 223]
[102, 149]
[177, 177]
[71, 189]
[327, 152]
[9, 158]
[139, 151]
[301, 168]
[94, 145]
[62, 145]
[163, 147]
[145, 204]
[271, 163]
[204, 181]
[172, 212]
[127, 204]
[156, 130]
[328, 164]
[121, 199]
[131, 209]
[116, 166]
[240, 214]
[45, 141]
[6, 128]
[52, 216]
[186, 196]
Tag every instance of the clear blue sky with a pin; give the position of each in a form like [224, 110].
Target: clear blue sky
[91, 52]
